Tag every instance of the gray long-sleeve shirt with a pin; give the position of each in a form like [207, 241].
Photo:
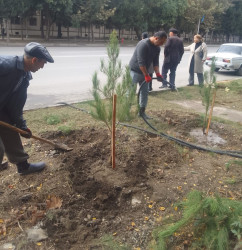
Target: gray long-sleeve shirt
[145, 53]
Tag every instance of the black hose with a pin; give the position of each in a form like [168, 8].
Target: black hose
[72, 106]
[181, 142]
[236, 154]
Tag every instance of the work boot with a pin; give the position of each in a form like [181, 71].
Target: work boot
[25, 168]
[143, 114]
[3, 165]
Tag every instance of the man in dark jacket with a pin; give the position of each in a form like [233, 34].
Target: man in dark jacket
[173, 53]
[14, 81]
[146, 52]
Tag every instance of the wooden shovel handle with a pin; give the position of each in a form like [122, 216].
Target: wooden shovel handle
[22, 132]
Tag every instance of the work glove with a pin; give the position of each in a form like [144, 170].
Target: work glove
[29, 135]
[148, 78]
[159, 77]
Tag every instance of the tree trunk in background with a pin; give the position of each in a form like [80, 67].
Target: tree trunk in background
[88, 35]
[92, 33]
[104, 32]
[22, 27]
[59, 35]
[26, 28]
[68, 33]
[7, 29]
[138, 33]
[42, 24]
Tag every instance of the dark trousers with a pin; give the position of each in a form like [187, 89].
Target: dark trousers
[11, 144]
[172, 67]
[199, 77]
[191, 74]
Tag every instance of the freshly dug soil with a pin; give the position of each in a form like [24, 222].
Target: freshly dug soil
[127, 202]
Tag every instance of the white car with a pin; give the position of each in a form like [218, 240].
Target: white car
[228, 57]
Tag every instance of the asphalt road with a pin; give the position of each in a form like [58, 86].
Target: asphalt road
[69, 79]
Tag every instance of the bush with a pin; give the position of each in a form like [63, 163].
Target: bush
[211, 218]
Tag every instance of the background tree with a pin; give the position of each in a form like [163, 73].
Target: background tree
[208, 8]
[231, 20]
[93, 12]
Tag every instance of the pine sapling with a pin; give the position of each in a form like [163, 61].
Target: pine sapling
[208, 93]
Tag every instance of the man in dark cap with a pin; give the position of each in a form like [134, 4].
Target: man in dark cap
[173, 53]
[146, 52]
[15, 73]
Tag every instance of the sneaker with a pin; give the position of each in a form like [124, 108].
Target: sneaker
[163, 86]
[33, 168]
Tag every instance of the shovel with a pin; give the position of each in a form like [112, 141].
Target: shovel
[22, 132]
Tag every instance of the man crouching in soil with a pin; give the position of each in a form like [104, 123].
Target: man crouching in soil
[146, 52]
[14, 81]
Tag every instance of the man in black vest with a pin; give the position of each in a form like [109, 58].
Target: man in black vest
[173, 53]
[15, 74]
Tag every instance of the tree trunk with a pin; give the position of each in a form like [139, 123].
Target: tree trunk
[68, 33]
[26, 28]
[92, 33]
[88, 35]
[138, 33]
[7, 29]
[59, 34]
[22, 27]
[104, 32]
[42, 24]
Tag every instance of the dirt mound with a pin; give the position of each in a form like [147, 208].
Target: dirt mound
[128, 202]
[103, 196]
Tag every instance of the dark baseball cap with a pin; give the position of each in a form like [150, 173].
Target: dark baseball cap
[173, 30]
[160, 34]
[39, 51]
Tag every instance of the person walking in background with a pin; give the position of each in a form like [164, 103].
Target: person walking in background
[15, 74]
[146, 52]
[173, 53]
[150, 69]
[198, 57]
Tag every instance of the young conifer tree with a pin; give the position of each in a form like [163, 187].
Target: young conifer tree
[118, 81]
[207, 91]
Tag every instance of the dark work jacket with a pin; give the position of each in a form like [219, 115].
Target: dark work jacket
[14, 82]
[145, 54]
[174, 50]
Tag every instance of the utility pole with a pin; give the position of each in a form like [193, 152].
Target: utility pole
[198, 27]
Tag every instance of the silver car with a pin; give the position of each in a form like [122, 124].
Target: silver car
[228, 57]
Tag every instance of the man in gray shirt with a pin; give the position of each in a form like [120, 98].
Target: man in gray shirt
[146, 52]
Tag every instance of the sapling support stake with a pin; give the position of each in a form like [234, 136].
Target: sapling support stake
[113, 130]
[211, 111]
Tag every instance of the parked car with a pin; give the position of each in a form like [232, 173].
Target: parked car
[228, 57]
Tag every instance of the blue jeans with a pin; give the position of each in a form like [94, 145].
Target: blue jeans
[172, 67]
[139, 78]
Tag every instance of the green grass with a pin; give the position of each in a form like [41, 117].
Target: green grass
[66, 130]
[53, 119]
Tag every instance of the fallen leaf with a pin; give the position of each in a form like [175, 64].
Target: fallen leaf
[146, 218]
[38, 243]
[114, 234]
[53, 202]
[132, 224]
[39, 187]
[162, 208]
